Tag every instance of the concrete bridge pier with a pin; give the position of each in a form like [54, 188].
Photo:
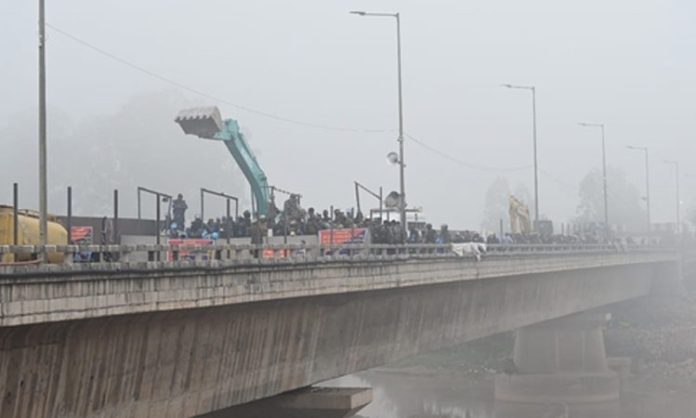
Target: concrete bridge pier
[309, 402]
[562, 360]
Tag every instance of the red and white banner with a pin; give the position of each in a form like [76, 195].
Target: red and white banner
[201, 247]
[81, 235]
[343, 236]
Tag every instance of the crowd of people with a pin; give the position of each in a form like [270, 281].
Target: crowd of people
[294, 220]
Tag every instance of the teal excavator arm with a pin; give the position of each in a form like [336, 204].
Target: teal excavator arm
[207, 123]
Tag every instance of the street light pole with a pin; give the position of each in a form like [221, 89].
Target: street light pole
[647, 182]
[534, 132]
[676, 178]
[402, 165]
[604, 173]
[43, 198]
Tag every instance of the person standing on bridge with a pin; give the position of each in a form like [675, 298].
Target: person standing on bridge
[429, 235]
[444, 237]
[179, 207]
[258, 231]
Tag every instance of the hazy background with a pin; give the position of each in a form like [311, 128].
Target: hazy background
[627, 63]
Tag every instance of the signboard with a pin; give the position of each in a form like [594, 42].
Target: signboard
[81, 235]
[270, 253]
[343, 236]
[201, 250]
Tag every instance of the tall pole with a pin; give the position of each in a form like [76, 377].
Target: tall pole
[647, 189]
[604, 174]
[647, 184]
[227, 221]
[535, 156]
[115, 229]
[202, 204]
[381, 203]
[15, 214]
[69, 226]
[676, 181]
[536, 169]
[357, 195]
[157, 225]
[402, 165]
[43, 199]
[676, 175]
[604, 181]
[402, 185]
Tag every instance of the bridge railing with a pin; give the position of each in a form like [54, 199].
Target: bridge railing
[26, 257]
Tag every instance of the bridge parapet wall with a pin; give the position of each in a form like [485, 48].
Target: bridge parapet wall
[70, 292]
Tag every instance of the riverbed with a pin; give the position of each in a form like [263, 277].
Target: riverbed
[423, 394]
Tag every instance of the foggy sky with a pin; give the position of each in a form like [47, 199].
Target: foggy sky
[627, 63]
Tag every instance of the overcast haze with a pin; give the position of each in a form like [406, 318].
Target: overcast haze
[627, 63]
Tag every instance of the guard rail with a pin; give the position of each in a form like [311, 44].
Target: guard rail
[174, 256]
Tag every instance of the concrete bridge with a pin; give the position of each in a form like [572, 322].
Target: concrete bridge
[186, 338]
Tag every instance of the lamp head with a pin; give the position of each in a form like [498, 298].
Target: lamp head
[358, 12]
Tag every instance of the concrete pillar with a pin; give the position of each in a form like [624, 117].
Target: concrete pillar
[311, 402]
[562, 360]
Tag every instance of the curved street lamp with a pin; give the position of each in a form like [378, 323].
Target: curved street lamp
[402, 165]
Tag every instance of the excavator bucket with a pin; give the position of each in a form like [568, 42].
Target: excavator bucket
[203, 122]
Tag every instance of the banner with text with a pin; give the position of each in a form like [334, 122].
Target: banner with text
[344, 236]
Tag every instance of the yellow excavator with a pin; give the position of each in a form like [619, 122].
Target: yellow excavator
[520, 222]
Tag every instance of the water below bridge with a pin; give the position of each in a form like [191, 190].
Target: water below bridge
[399, 394]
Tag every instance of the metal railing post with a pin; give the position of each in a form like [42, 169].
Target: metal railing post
[69, 220]
[117, 236]
[203, 204]
[157, 226]
[15, 213]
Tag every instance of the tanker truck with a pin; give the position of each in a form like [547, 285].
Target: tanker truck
[28, 234]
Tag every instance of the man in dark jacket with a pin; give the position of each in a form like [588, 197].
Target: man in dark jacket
[179, 207]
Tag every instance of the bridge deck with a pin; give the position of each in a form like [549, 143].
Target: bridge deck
[179, 340]
[79, 291]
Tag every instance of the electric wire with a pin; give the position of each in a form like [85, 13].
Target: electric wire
[463, 163]
[269, 115]
[207, 95]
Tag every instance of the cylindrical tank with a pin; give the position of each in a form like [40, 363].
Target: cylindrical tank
[28, 234]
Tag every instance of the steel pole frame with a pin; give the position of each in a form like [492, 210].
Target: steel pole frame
[647, 184]
[377, 196]
[604, 181]
[115, 229]
[604, 174]
[69, 220]
[400, 140]
[226, 196]
[15, 213]
[402, 165]
[43, 172]
[534, 146]
[676, 181]
[647, 189]
[153, 192]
